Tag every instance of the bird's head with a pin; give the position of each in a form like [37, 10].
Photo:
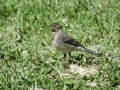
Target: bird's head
[55, 27]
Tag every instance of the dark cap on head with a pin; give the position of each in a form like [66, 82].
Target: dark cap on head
[55, 27]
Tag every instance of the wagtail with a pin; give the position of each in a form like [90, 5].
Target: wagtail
[65, 43]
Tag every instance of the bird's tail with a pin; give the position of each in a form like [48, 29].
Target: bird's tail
[89, 51]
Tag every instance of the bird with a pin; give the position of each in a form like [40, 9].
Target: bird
[66, 43]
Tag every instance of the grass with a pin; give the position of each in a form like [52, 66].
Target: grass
[27, 59]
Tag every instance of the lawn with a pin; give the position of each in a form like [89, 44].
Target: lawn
[28, 61]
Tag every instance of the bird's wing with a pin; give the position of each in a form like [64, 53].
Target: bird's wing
[74, 43]
[71, 41]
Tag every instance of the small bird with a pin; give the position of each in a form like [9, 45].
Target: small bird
[65, 43]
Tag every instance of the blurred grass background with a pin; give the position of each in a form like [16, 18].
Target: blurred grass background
[26, 57]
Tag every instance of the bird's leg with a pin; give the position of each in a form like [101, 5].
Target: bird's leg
[65, 55]
[70, 57]
[66, 60]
